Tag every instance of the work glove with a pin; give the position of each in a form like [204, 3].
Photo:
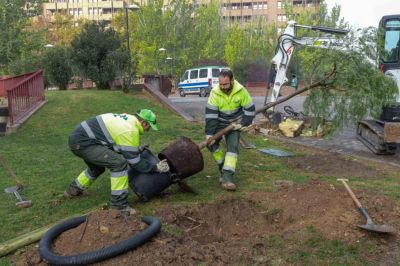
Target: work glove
[236, 126]
[247, 128]
[162, 166]
[211, 142]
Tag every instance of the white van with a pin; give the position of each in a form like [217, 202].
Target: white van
[199, 80]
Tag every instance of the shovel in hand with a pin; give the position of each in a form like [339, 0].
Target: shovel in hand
[370, 226]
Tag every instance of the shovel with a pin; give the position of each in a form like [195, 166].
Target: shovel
[370, 226]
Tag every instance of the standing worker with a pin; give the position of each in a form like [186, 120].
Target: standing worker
[228, 102]
[112, 141]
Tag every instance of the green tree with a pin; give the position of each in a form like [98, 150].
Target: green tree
[354, 88]
[249, 47]
[189, 35]
[57, 66]
[93, 51]
[236, 51]
[19, 43]
[64, 29]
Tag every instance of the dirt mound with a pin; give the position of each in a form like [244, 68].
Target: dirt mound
[330, 164]
[327, 208]
[242, 231]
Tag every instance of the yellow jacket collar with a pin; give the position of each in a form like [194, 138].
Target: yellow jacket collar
[138, 125]
[236, 87]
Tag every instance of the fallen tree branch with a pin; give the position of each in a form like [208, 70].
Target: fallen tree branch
[317, 84]
[322, 82]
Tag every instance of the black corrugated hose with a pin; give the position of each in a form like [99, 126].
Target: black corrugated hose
[133, 242]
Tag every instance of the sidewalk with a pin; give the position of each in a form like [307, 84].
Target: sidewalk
[345, 142]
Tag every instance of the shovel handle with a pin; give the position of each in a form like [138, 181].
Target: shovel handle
[358, 204]
[219, 134]
[13, 175]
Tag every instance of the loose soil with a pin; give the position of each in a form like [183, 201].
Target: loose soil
[332, 164]
[241, 231]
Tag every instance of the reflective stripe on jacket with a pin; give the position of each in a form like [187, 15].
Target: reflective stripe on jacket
[223, 108]
[120, 132]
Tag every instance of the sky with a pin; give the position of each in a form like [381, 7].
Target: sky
[365, 13]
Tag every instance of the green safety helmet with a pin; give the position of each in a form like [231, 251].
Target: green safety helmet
[148, 116]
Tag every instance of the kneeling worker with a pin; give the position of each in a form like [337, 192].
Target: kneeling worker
[112, 141]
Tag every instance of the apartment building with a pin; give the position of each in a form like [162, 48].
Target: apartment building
[241, 11]
[271, 11]
[98, 10]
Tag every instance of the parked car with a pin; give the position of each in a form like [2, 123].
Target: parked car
[199, 80]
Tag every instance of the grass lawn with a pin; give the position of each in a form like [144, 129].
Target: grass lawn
[39, 155]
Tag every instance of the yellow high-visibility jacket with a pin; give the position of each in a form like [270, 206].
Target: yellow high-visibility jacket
[119, 132]
[225, 109]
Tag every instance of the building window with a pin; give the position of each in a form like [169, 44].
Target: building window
[281, 18]
[260, 6]
[279, 4]
[107, 11]
[264, 5]
[297, 2]
[246, 5]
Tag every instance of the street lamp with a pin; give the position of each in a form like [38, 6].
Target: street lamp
[132, 7]
[169, 59]
[162, 49]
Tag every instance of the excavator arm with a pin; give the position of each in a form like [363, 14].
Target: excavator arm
[287, 43]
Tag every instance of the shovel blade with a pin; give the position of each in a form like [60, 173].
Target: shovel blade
[378, 228]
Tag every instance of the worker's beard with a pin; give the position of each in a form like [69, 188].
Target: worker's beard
[228, 90]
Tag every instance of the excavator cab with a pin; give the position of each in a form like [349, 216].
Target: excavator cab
[382, 135]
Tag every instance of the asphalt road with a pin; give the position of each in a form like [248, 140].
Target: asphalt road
[343, 142]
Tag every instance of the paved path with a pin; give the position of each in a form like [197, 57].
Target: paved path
[344, 141]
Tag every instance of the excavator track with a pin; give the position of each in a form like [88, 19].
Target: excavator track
[371, 134]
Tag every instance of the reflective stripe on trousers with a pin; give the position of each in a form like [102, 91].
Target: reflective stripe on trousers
[218, 155]
[84, 180]
[119, 183]
[230, 161]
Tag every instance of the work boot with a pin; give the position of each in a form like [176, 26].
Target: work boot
[228, 186]
[226, 180]
[127, 211]
[73, 192]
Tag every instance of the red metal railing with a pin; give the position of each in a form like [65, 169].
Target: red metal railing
[25, 96]
[10, 82]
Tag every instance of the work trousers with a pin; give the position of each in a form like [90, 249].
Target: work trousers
[226, 161]
[97, 158]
